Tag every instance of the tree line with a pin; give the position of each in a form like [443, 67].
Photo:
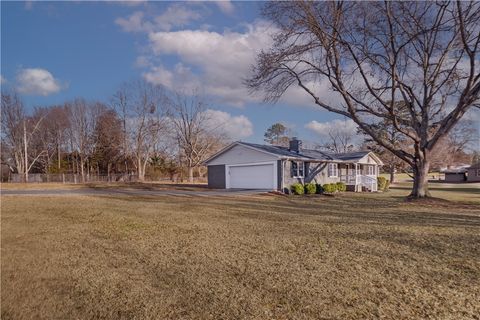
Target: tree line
[143, 129]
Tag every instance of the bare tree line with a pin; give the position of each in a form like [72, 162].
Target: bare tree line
[143, 129]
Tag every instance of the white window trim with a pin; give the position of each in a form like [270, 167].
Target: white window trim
[335, 173]
[298, 167]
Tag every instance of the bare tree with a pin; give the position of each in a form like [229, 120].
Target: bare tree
[195, 132]
[143, 116]
[107, 141]
[464, 137]
[374, 54]
[338, 140]
[83, 116]
[18, 131]
[120, 104]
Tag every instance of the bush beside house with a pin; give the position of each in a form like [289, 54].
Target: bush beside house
[313, 188]
[310, 188]
[330, 188]
[297, 188]
[383, 184]
[341, 187]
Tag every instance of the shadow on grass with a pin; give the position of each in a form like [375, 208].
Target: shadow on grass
[448, 189]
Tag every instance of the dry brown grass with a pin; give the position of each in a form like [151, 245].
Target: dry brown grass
[265, 257]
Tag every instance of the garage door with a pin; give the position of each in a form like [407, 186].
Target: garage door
[252, 176]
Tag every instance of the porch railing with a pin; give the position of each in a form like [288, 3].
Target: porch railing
[367, 181]
[349, 179]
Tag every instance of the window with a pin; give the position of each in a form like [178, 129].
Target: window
[370, 170]
[298, 168]
[333, 170]
[478, 172]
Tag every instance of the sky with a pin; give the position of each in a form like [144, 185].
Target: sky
[53, 52]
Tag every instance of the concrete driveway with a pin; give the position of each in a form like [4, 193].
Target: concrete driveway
[132, 192]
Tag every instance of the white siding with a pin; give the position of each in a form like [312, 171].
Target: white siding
[240, 154]
[367, 160]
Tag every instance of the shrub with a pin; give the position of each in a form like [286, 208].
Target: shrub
[319, 189]
[381, 182]
[310, 188]
[330, 188]
[387, 186]
[342, 187]
[297, 188]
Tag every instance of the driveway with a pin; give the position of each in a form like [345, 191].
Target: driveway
[132, 192]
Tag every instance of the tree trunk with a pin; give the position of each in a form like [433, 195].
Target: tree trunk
[141, 173]
[420, 180]
[25, 144]
[82, 168]
[392, 173]
[190, 174]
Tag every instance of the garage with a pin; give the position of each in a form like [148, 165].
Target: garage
[252, 176]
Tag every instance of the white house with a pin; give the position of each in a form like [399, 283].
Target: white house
[244, 165]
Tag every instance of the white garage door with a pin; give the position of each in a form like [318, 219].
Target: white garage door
[252, 177]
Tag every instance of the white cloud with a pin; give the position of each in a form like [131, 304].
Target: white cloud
[225, 6]
[134, 23]
[160, 75]
[236, 127]
[37, 81]
[323, 129]
[174, 16]
[2, 79]
[223, 60]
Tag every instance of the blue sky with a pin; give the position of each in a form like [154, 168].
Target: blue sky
[56, 51]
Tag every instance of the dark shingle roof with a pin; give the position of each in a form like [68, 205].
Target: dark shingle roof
[351, 156]
[309, 153]
[475, 166]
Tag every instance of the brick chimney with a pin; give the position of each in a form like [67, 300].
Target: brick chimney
[295, 145]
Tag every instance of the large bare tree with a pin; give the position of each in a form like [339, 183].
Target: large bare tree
[196, 133]
[18, 132]
[142, 110]
[374, 54]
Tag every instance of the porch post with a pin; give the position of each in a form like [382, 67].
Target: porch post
[356, 178]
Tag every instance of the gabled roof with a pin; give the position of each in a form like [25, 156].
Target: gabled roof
[304, 154]
[285, 152]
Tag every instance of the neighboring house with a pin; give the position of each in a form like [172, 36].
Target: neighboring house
[473, 173]
[253, 166]
[455, 175]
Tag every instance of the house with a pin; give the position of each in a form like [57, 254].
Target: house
[455, 175]
[473, 173]
[254, 166]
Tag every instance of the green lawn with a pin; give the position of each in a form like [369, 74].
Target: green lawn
[353, 256]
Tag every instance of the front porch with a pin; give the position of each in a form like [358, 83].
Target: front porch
[359, 177]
